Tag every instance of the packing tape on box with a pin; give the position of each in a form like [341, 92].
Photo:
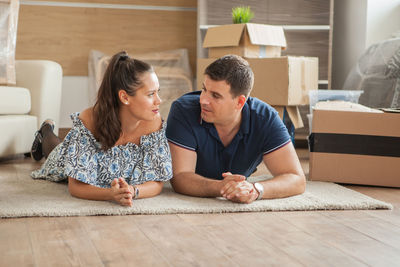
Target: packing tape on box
[387, 146]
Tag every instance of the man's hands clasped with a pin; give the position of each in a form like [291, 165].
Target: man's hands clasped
[236, 189]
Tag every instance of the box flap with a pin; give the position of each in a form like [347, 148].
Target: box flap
[295, 116]
[225, 35]
[293, 113]
[261, 34]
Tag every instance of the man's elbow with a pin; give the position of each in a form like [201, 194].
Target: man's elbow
[177, 184]
[180, 183]
[300, 184]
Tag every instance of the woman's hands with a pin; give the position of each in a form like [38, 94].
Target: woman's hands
[121, 192]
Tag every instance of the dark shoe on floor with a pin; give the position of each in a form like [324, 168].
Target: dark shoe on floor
[36, 150]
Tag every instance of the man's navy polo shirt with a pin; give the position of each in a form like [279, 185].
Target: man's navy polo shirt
[261, 132]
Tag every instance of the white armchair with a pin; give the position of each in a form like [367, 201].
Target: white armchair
[36, 97]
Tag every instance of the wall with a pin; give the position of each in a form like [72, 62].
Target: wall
[383, 20]
[357, 25]
[349, 35]
[65, 31]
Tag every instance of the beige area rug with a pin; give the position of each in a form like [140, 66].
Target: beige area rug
[25, 197]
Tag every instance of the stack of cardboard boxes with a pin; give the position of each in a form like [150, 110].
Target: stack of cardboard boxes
[282, 82]
[345, 146]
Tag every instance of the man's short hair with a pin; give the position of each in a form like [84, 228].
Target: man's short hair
[235, 71]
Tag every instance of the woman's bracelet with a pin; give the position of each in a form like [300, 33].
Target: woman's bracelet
[136, 192]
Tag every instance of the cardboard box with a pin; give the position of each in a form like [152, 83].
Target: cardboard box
[246, 40]
[355, 147]
[282, 81]
[293, 113]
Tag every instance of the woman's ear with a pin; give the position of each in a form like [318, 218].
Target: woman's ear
[123, 97]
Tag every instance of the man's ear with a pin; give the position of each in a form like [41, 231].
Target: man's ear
[123, 96]
[241, 100]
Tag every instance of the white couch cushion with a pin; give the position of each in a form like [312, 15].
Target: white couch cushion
[14, 100]
[17, 133]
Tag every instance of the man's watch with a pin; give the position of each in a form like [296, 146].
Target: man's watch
[260, 189]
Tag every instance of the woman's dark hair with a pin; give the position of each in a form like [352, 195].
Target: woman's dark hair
[122, 73]
[235, 71]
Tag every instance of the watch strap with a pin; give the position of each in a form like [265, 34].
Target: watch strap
[260, 189]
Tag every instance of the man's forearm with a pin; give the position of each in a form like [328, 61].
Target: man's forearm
[192, 184]
[284, 185]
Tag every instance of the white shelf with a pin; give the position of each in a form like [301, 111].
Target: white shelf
[306, 27]
[288, 27]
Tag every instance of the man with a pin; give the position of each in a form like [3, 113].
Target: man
[219, 136]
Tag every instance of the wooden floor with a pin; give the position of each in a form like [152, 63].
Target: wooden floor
[312, 238]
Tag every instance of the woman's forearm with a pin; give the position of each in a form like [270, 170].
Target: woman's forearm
[149, 189]
[86, 191]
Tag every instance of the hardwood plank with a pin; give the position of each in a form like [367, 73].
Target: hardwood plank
[238, 243]
[56, 246]
[388, 194]
[15, 245]
[380, 230]
[371, 252]
[67, 34]
[180, 244]
[392, 217]
[350, 241]
[306, 248]
[320, 225]
[178, 3]
[38, 224]
[120, 242]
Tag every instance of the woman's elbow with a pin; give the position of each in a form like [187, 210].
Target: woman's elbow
[72, 187]
[155, 189]
[159, 188]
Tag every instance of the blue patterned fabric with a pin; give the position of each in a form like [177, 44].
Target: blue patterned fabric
[80, 156]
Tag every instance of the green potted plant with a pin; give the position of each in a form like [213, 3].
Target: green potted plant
[242, 14]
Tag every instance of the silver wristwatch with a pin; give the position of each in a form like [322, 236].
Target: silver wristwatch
[260, 189]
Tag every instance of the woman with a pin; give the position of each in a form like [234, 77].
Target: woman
[117, 149]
